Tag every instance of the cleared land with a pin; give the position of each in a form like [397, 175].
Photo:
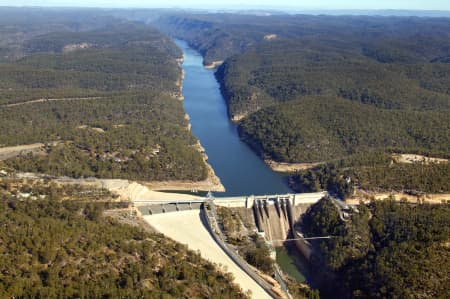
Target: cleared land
[13, 151]
[425, 198]
[410, 158]
[49, 100]
[289, 167]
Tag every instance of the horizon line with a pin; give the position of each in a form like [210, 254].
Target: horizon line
[229, 8]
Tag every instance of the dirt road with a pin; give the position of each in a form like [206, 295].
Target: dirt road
[13, 151]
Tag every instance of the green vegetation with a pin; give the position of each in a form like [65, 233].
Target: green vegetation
[113, 111]
[141, 137]
[280, 71]
[251, 247]
[35, 189]
[219, 36]
[19, 25]
[374, 171]
[258, 255]
[288, 263]
[54, 249]
[324, 128]
[326, 89]
[387, 249]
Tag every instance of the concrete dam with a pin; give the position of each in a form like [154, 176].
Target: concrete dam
[275, 216]
[272, 216]
[194, 222]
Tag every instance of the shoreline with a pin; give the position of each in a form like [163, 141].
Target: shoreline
[211, 182]
[214, 64]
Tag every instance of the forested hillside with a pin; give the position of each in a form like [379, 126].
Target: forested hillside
[19, 25]
[95, 96]
[219, 36]
[281, 71]
[322, 128]
[387, 249]
[105, 101]
[325, 88]
[54, 248]
[374, 171]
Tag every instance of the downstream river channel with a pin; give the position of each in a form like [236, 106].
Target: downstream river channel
[241, 171]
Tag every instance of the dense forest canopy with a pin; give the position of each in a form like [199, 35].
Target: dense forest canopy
[18, 25]
[102, 95]
[54, 248]
[105, 100]
[324, 128]
[219, 36]
[387, 249]
[374, 171]
[281, 71]
[327, 88]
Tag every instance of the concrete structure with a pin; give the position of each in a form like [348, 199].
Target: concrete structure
[168, 207]
[275, 215]
[248, 201]
[189, 222]
[275, 218]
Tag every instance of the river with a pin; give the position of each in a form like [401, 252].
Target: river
[241, 171]
[239, 168]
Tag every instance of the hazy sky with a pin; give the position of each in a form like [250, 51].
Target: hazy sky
[300, 4]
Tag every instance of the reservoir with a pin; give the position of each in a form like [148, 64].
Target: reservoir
[241, 171]
[239, 168]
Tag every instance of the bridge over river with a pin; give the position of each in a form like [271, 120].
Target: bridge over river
[193, 222]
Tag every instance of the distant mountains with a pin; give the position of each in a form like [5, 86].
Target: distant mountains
[335, 12]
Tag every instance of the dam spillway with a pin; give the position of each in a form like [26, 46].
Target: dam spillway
[274, 216]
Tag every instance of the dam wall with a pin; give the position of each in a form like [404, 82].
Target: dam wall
[248, 201]
[275, 220]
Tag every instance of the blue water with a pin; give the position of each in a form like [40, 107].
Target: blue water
[241, 171]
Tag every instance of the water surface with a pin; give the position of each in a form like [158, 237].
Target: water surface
[241, 171]
[292, 263]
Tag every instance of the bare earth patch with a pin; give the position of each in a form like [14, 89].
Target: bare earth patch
[214, 64]
[290, 167]
[364, 196]
[49, 100]
[14, 151]
[238, 117]
[410, 158]
[98, 130]
[73, 47]
[270, 36]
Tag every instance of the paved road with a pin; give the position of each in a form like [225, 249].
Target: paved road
[187, 227]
